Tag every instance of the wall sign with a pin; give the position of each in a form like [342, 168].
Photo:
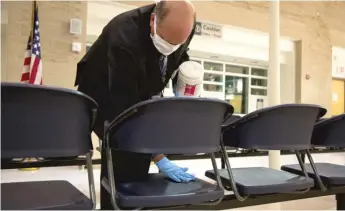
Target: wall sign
[338, 62]
[208, 29]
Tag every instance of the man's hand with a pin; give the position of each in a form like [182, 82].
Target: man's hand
[173, 171]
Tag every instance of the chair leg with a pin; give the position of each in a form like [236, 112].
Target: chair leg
[91, 179]
[110, 166]
[303, 157]
[222, 163]
[301, 161]
[317, 176]
[111, 178]
[302, 165]
[216, 171]
[340, 197]
[219, 182]
[231, 176]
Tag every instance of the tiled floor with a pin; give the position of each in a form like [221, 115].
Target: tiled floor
[78, 178]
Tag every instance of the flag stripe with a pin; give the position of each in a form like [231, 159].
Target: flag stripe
[25, 76]
[32, 69]
[27, 61]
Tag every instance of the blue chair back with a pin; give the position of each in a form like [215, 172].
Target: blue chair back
[180, 125]
[41, 121]
[282, 127]
[330, 132]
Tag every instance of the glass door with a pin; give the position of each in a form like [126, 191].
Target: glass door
[236, 93]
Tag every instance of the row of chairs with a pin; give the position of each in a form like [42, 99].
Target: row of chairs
[40, 121]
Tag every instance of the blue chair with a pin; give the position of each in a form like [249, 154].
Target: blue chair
[40, 121]
[171, 126]
[232, 119]
[328, 132]
[282, 127]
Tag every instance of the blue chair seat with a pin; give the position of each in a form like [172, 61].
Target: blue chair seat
[158, 191]
[330, 174]
[43, 195]
[260, 180]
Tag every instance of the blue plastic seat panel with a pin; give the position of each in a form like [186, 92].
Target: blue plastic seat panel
[159, 191]
[331, 174]
[43, 195]
[260, 180]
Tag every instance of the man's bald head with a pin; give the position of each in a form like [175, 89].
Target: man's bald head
[174, 19]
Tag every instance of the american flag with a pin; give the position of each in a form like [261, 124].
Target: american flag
[32, 69]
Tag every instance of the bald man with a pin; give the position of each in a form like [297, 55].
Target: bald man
[132, 60]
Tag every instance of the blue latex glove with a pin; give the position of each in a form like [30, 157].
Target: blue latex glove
[173, 171]
[174, 91]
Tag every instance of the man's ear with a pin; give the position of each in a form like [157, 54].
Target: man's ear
[152, 19]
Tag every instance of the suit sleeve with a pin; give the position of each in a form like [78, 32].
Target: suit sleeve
[123, 79]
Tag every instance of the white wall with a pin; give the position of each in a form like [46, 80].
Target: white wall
[287, 79]
[242, 43]
[99, 13]
[338, 62]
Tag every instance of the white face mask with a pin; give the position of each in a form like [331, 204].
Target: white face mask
[161, 45]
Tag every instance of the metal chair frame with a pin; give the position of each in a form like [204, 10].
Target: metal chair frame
[300, 159]
[322, 186]
[111, 179]
[233, 186]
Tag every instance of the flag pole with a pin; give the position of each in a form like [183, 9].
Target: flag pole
[29, 160]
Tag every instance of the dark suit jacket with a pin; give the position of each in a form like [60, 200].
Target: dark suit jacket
[121, 68]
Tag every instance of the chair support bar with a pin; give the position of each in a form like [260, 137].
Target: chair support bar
[111, 178]
[301, 162]
[317, 176]
[231, 176]
[110, 166]
[302, 165]
[219, 182]
[216, 171]
[91, 179]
